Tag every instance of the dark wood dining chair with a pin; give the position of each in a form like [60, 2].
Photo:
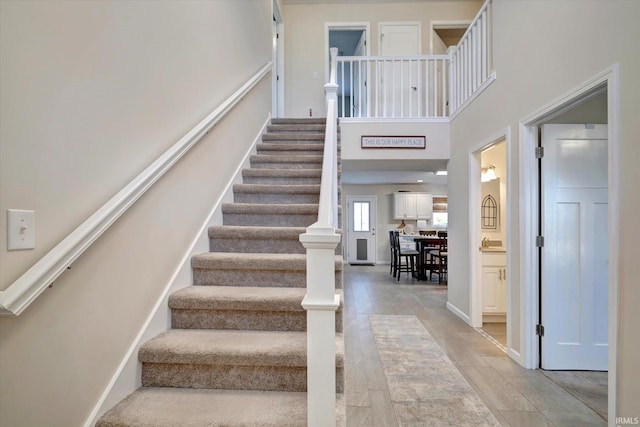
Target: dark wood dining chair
[410, 257]
[441, 256]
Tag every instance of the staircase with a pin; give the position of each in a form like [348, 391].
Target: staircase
[236, 351]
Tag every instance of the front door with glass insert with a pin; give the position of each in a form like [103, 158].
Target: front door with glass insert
[361, 230]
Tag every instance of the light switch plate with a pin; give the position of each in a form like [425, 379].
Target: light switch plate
[21, 229]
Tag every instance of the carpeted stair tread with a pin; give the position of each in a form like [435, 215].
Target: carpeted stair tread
[276, 189]
[298, 120]
[285, 173]
[270, 208]
[171, 407]
[231, 348]
[254, 261]
[292, 161]
[234, 298]
[281, 149]
[292, 136]
[297, 127]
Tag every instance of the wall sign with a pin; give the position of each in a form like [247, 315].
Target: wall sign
[393, 141]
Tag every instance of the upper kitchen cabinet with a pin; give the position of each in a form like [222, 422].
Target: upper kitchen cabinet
[412, 206]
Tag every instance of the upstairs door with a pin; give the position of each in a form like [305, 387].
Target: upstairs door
[361, 230]
[574, 287]
[399, 80]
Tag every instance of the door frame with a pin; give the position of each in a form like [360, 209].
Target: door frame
[433, 25]
[475, 232]
[329, 26]
[529, 205]
[374, 226]
[277, 74]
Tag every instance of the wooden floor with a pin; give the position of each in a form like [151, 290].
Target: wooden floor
[516, 396]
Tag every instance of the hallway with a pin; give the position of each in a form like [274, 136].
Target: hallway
[515, 396]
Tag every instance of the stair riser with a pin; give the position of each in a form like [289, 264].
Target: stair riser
[268, 378]
[257, 164]
[243, 320]
[256, 246]
[260, 278]
[260, 246]
[292, 138]
[269, 220]
[280, 180]
[276, 198]
[299, 121]
[297, 128]
[240, 320]
[268, 152]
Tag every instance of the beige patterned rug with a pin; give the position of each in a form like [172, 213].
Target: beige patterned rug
[426, 388]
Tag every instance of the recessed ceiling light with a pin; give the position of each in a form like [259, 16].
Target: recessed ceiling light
[421, 180]
[441, 172]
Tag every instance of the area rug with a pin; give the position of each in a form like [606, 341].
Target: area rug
[426, 388]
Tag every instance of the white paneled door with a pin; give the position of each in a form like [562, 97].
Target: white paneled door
[399, 80]
[361, 230]
[574, 288]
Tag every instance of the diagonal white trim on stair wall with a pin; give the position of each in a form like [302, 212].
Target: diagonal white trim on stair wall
[126, 378]
[21, 293]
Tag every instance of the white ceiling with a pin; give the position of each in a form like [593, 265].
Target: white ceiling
[393, 171]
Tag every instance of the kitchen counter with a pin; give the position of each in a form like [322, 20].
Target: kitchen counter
[494, 249]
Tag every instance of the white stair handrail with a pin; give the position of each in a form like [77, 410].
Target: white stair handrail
[21, 293]
[321, 301]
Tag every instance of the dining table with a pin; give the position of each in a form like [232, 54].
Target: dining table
[429, 255]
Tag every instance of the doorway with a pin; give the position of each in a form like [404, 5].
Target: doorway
[361, 229]
[490, 233]
[277, 82]
[493, 247]
[351, 39]
[604, 84]
[445, 34]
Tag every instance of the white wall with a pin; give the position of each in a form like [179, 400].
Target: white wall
[436, 140]
[384, 212]
[92, 93]
[535, 65]
[305, 39]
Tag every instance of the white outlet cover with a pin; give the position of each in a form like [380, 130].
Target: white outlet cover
[21, 229]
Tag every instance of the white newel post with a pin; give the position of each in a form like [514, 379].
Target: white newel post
[321, 303]
[321, 300]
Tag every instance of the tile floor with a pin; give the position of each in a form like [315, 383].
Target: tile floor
[517, 397]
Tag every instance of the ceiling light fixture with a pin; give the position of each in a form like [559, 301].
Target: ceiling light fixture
[441, 172]
[488, 174]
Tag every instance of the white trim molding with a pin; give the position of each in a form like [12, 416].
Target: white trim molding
[455, 310]
[21, 293]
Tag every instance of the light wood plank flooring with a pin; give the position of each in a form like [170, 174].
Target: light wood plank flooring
[516, 396]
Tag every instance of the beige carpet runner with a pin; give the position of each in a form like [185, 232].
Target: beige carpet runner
[426, 388]
[236, 351]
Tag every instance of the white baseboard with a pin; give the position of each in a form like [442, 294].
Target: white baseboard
[127, 377]
[455, 310]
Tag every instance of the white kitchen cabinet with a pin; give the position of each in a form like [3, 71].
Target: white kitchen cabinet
[412, 206]
[494, 282]
[424, 206]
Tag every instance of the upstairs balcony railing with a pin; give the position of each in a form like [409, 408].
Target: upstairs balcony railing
[418, 87]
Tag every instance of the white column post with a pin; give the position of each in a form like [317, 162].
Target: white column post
[321, 303]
